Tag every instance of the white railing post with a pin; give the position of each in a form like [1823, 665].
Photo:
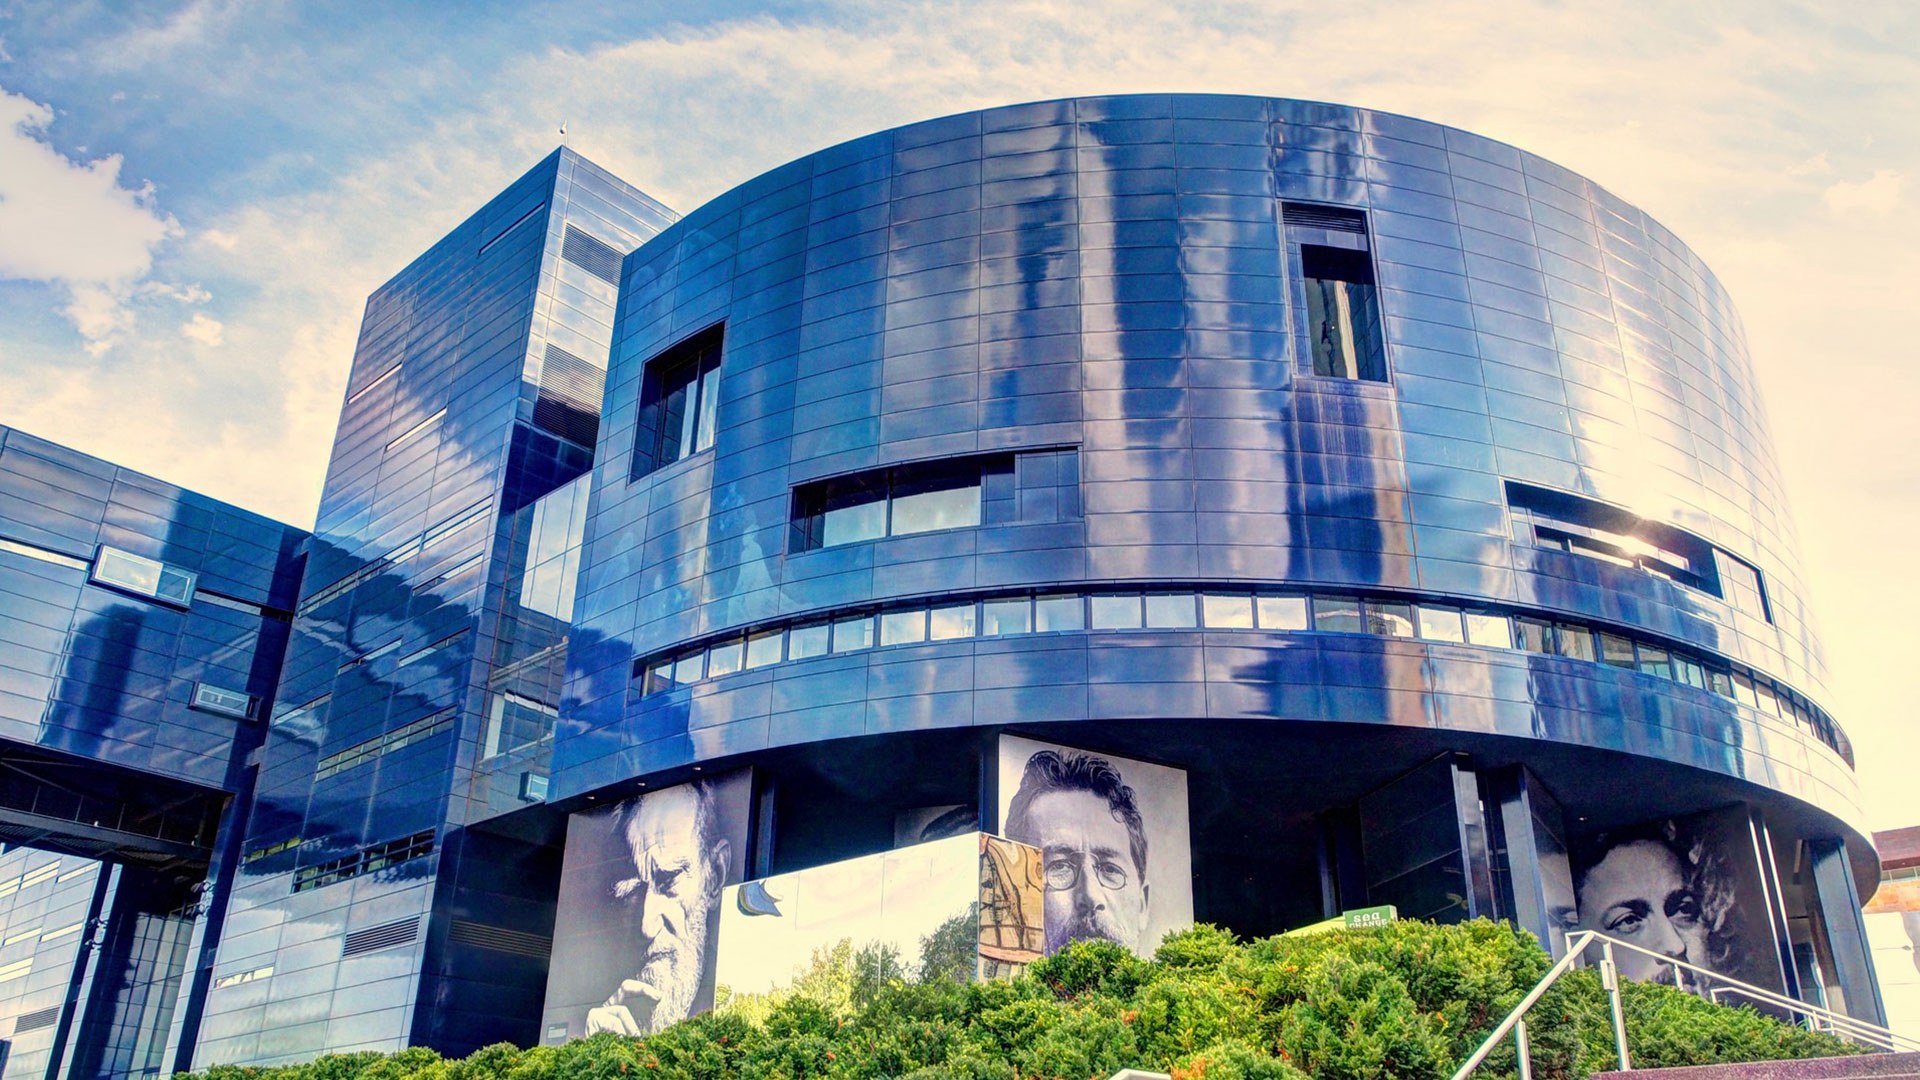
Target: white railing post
[1524, 1047]
[1610, 979]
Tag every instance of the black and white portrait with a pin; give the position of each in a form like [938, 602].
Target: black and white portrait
[634, 945]
[1113, 834]
[1681, 889]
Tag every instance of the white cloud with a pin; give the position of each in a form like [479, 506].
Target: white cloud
[1878, 194]
[203, 329]
[73, 224]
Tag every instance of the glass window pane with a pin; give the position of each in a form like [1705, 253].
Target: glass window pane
[1170, 610]
[1533, 635]
[853, 522]
[1488, 629]
[1744, 691]
[659, 677]
[1575, 641]
[953, 622]
[1720, 683]
[764, 649]
[1228, 612]
[1390, 620]
[805, 641]
[903, 627]
[953, 508]
[709, 407]
[725, 659]
[1689, 672]
[1116, 612]
[999, 617]
[128, 571]
[687, 669]
[1052, 613]
[1616, 650]
[1282, 612]
[1338, 614]
[1441, 624]
[1654, 662]
[1769, 703]
[854, 633]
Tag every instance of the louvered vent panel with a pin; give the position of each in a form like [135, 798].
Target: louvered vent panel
[36, 1019]
[385, 936]
[595, 256]
[569, 401]
[1333, 218]
[500, 939]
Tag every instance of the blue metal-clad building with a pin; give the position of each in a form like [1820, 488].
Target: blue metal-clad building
[1409, 493]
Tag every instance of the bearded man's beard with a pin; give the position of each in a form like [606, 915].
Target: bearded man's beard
[675, 968]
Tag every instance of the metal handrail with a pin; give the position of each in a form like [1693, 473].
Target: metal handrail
[1578, 943]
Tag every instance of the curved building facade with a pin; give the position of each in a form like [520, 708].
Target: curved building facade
[1357, 467]
[1075, 519]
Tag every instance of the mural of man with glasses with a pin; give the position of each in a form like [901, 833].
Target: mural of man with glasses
[1084, 818]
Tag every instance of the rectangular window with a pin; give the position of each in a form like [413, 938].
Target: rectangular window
[1484, 628]
[948, 623]
[1561, 521]
[1533, 635]
[689, 668]
[1338, 614]
[806, 641]
[1337, 308]
[1389, 620]
[853, 634]
[901, 500]
[903, 627]
[1281, 612]
[1441, 624]
[1227, 612]
[150, 578]
[1574, 641]
[1116, 612]
[679, 402]
[725, 658]
[1002, 617]
[1170, 610]
[1052, 613]
[215, 699]
[1616, 651]
[1655, 662]
[1689, 672]
[764, 649]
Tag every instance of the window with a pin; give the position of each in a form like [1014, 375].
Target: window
[725, 658]
[1558, 520]
[897, 501]
[1389, 620]
[1051, 613]
[903, 627]
[1282, 612]
[215, 699]
[679, 402]
[1337, 311]
[806, 641]
[1574, 641]
[1441, 624]
[1484, 628]
[1170, 610]
[1338, 614]
[1002, 617]
[150, 578]
[852, 634]
[1116, 612]
[764, 649]
[955, 621]
[1227, 612]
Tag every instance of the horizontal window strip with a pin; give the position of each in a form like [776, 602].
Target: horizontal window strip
[1213, 609]
[45, 555]
[363, 752]
[415, 431]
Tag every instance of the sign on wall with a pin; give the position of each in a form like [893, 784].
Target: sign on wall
[1114, 836]
[640, 888]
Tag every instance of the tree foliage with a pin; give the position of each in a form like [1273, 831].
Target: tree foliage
[1407, 1000]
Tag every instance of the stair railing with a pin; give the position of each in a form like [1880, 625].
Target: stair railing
[1578, 942]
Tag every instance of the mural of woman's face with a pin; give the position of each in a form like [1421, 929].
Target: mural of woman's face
[1639, 893]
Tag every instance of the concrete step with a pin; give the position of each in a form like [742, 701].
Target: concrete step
[1876, 1066]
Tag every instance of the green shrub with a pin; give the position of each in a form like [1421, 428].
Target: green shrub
[1409, 1000]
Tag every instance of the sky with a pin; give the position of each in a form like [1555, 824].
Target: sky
[196, 197]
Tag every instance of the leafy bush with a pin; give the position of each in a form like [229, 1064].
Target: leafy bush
[1409, 1000]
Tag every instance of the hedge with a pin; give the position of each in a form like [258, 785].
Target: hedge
[1408, 1000]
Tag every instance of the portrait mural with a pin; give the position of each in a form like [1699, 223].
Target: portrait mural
[1114, 840]
[1690, 889]
[640, 888]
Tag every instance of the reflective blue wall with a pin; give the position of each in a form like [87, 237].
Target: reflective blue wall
[1106, 274]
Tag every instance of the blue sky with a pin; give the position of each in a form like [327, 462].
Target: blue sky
[196, 197]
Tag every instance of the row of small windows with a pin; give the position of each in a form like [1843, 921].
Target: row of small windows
[898, 501]
[360, 753]
[365, 861]
[39, 874]
[1054, 613]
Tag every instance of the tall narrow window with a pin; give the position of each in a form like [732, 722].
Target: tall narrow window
[1337, 312]
[679, 402]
